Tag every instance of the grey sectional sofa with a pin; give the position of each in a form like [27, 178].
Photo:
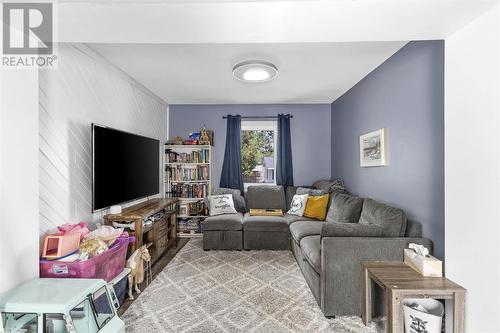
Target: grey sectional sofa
[329, 252]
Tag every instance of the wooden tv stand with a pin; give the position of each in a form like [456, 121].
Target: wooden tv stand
[161, 233]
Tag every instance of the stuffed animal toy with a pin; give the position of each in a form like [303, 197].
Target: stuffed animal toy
[68, 228]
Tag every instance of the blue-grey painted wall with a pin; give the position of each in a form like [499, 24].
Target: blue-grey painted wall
[405, 95]
[311, 130]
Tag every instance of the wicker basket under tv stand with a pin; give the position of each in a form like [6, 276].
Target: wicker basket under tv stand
[162, 234]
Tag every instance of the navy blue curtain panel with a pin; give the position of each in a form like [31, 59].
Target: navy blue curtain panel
[231, 176]
[284, 167]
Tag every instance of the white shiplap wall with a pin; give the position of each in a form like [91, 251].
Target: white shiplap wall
[85, 89]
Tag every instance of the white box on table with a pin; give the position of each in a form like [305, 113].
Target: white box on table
[427, 266]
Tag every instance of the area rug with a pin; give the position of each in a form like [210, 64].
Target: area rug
[233, 291]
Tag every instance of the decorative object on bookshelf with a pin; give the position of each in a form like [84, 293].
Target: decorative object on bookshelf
[194, 136]
[204, 137]
[175, 141]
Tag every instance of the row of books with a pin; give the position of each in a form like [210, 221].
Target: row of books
[197, 156]
[187, 173]
[188, 190]
[189, 226]
[196, 208]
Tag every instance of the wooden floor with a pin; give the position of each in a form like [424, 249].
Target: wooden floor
[158, 266]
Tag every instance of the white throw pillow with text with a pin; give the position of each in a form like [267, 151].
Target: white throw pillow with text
[221, 204]
[298, 204]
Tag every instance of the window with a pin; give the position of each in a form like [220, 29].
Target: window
[55, 322]
[93, 313]
[83, 317]
[19, 322]
[258, 151]
[102, 306]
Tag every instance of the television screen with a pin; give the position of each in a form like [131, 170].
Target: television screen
[125, 167]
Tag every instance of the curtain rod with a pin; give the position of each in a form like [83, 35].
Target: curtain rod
[257, 117]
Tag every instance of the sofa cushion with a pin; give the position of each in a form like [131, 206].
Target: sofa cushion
[294, 218]
[391, 219]
[310, 191]
[311, 248]
[264, 223]
[413, 229]
[345, 209]
[303, 229]
[265, 197]
[316, 207]
[334, 229]
[290, 191]
[298, 205]
[224, 222]
[330, 186]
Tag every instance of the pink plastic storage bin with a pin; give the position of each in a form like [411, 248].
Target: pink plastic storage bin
[105, 266]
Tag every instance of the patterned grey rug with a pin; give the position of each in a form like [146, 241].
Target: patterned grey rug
[232, 291]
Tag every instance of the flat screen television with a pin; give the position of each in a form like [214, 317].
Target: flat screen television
[125, 167]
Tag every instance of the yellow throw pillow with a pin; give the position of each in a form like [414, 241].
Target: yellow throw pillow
[316, 207]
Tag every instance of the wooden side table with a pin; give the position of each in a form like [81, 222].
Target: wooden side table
[399, 282]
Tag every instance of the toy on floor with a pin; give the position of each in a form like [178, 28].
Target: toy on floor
[136, 263]
[60, 306]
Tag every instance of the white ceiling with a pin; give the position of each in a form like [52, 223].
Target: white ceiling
[184, 50]
[261, 21]
[201, 73]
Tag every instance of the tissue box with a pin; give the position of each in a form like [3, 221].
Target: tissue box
[427, 266]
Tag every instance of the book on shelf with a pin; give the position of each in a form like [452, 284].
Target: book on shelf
[197, 156]
[187, 172]
[188, 190]
[195, 208]
[192, 226]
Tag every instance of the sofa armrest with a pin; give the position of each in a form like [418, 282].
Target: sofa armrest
[341, 258]
[332, 229]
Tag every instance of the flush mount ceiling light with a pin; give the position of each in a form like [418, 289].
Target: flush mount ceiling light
[255, 71]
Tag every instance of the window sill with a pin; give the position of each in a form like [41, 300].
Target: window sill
[245, 185]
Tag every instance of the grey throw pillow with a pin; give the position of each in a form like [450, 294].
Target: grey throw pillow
[310, 191]
[391, 219]
[330, 186]
[265, 197]
[344, 208]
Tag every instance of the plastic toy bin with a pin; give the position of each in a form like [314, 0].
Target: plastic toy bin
[105, 266]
